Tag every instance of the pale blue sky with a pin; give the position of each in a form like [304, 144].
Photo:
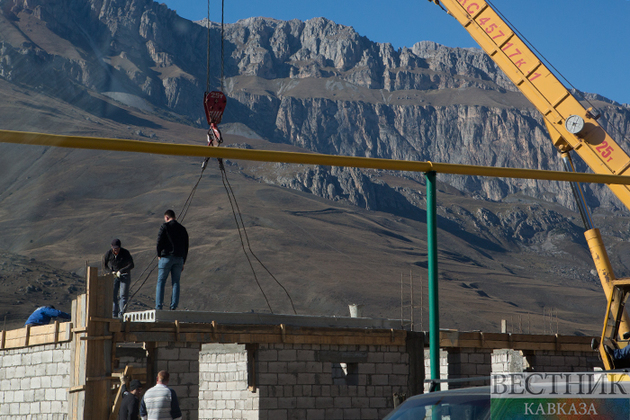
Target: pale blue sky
[588, 41]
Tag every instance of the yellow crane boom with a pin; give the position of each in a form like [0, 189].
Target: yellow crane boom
[571, 126]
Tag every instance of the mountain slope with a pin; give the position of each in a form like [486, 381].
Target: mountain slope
[332, 236]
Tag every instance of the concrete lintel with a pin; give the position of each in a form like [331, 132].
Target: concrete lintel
[245, 318]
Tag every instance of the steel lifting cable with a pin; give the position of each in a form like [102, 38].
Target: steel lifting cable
[226, 184]
[181, 217]
[230, 192]
[224, 178]
[222, 43]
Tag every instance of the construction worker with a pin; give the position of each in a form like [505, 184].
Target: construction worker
[119, 262]
[43, 315]
[160, 402]
[130, 405]
[172, 250]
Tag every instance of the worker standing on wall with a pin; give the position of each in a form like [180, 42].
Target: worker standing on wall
[119, 262]
[172, 250]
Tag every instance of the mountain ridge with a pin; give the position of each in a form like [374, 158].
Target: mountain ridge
[133, 69]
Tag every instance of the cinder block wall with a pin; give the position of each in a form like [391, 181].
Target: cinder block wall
[223, 383]
[302, 381]
[181, 361]
[34, 382]
[566, 361]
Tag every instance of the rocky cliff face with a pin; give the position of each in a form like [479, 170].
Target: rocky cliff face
[316, 84]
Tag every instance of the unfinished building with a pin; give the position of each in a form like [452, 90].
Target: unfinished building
[247, 366]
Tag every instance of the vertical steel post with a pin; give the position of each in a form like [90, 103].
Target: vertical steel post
[434, 311]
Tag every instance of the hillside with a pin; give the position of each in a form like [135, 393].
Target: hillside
[509, 249]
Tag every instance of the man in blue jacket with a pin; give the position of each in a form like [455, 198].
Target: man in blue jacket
[43, 315]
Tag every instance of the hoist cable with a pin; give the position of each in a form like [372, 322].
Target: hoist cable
[247, 237]
[208, 50]
[222, 48]
[224, 178]
[181, 217]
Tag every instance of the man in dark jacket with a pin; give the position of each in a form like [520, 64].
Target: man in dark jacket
[172, 250]
[130, 405]
[119, 262]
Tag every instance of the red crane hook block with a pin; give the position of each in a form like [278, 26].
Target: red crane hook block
[214, 104]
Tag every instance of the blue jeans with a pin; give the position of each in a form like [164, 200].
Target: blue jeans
[174, 266]
[121, 295]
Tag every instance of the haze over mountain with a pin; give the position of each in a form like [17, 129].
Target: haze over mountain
[332, 236]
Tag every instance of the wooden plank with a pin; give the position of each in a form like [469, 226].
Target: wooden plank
[26, 335]
[2, 339]
[98, 346]
[118, 399]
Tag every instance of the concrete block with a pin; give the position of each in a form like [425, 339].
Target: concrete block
[14, 408]
[45, 407]
[369, 413]
[359, 402]
[175, 367]
[375, 358]
[295, 367]
[287, 379]
[47, 356]
[305, 355]
[287, 355]
[378, 402]
[277, 367]
[188, 354]
[268, 403]
[305, 402]
[400, 369]
[50, 395]
[287, 402]
[25, 408]
[306, 378]
[324, 402]
[392, 357]
[279, 414]
[398, 380]
[352, 414]
[384, 368]
[18, 396]
[379, 379]
[61, 394]
[314, 367]
[268, 355]
[63, 369]
[315, 414]
[29, 395]
[57, 407]
[57, 381]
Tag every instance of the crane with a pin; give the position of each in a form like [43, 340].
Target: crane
[572, 128]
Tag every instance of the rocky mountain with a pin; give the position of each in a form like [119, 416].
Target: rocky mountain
[135, 69]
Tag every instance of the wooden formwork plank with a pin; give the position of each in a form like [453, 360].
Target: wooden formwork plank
[35, 335]
[113, 415]
[98, 345]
